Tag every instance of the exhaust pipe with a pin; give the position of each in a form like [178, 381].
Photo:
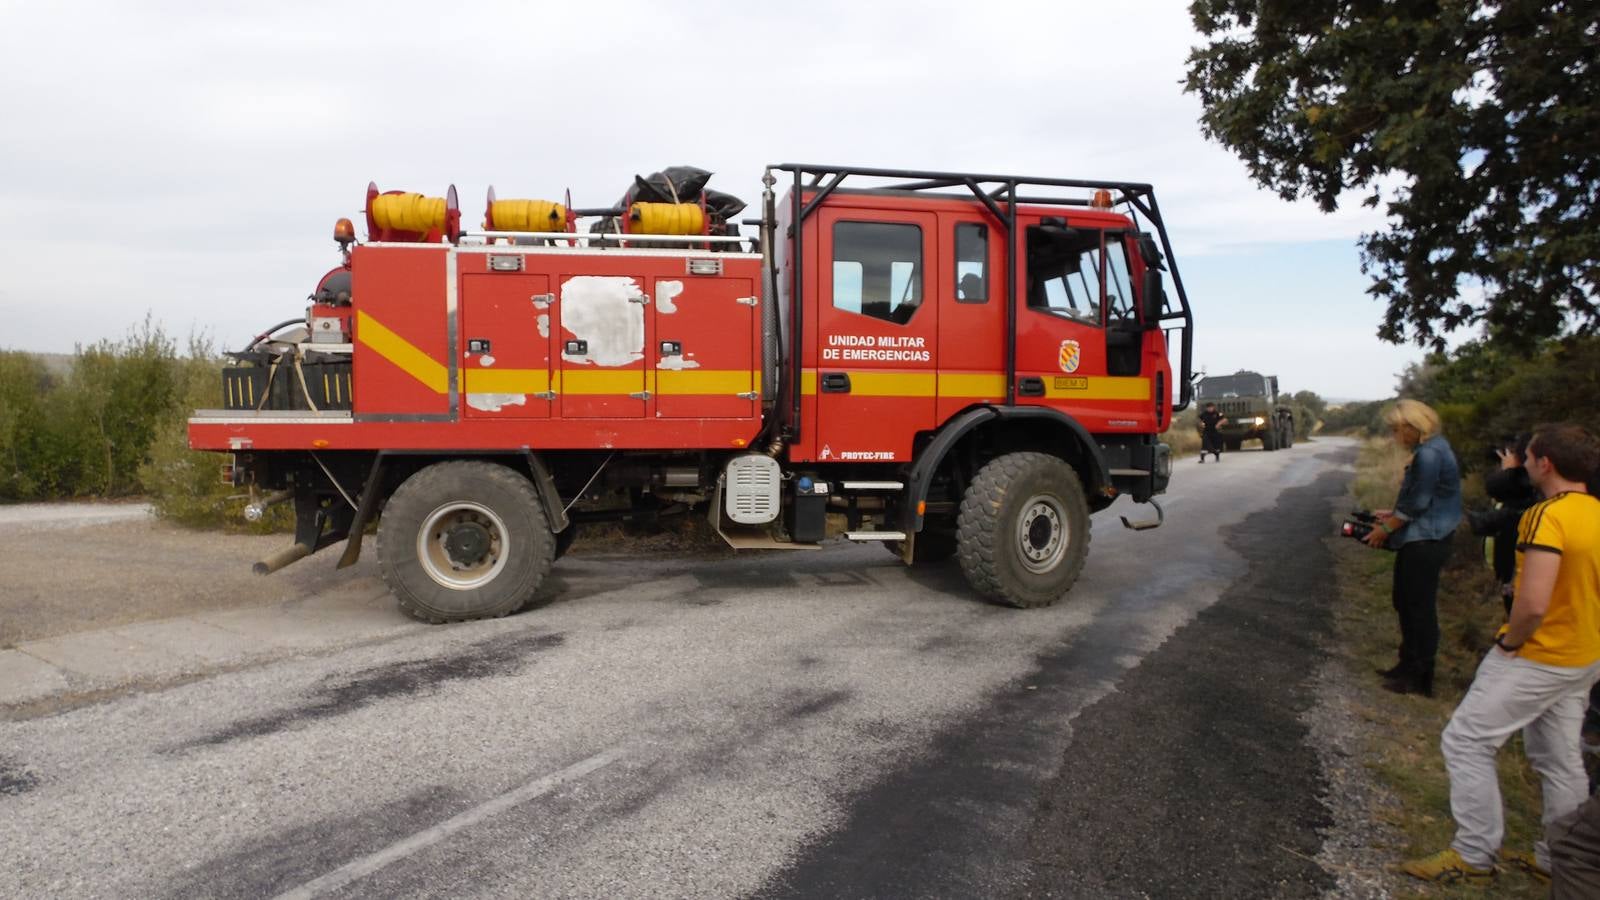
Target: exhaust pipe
[280, 559]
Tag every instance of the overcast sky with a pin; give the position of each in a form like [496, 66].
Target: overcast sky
[189, 159]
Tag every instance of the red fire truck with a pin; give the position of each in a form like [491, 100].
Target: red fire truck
[952, 364]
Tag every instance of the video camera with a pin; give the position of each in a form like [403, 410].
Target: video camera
[1358, 525]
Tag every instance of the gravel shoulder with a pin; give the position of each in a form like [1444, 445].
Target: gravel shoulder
[78, 567]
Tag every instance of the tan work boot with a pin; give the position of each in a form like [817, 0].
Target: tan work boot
[1526, 863]
[1447, 867]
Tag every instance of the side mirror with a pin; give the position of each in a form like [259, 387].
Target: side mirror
[1153, 299]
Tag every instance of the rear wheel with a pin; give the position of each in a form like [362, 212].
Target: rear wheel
[464, 540]
[1023, 530]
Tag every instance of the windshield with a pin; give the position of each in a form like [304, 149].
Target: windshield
[1221, 386]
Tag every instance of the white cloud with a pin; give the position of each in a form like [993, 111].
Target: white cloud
[190, 159]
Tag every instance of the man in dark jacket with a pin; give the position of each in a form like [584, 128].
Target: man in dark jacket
[1509, 486]
[1210, 438]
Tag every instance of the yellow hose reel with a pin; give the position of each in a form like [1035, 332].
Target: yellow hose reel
[526, 215]
[666, 218]
[408, 212]
[407, 216]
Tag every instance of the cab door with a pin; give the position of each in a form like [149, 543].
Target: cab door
[877, 330]
[1062, 343]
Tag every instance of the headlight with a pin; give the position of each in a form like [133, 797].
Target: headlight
[1260, 421]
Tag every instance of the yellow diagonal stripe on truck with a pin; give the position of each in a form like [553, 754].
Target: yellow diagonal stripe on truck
[396, 349]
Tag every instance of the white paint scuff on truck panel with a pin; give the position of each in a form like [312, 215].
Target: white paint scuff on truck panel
[495, 402]
[607, 312]
[677, 362]
[544, 325]
[666, 292]
[485, 360]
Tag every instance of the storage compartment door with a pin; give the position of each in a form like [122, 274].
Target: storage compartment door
[705, 348]
[505, 345]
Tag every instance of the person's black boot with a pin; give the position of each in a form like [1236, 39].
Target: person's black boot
[1411, 682]
[1391, 672]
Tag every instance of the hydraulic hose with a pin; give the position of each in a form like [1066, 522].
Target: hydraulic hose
[299, 320]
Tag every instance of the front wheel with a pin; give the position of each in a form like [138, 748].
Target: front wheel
[464, 540]
[1023, 531]
[1269, 440]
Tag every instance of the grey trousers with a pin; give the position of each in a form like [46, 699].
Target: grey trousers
[1547, 704]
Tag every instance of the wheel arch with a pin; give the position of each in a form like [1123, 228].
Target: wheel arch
[1012, 428]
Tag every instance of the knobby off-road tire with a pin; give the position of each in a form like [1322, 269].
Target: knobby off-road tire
[1023, 530]
[464, 540]
[1233, 444]
[1269, 439]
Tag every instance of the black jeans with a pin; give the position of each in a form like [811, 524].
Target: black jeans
[1416, 592]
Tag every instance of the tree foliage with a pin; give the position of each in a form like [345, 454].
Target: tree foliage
[1474, 124]
[89, 431]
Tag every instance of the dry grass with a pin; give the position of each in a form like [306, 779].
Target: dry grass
[1404, 736]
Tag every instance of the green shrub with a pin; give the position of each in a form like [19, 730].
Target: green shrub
[23, 384]
[184, 485]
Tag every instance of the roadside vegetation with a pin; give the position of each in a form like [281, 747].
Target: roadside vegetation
[109, 424]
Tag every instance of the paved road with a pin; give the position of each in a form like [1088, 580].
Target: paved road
[785, 724]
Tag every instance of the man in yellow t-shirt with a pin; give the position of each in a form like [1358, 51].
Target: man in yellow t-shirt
[1537, 676]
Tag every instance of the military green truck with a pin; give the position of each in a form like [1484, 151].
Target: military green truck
[1250, 402]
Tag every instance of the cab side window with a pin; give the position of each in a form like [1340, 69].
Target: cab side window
[877, 269]
[1119, 285]
[1064, 272]
[972, 263]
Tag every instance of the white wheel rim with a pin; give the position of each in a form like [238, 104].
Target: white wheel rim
[1042, 533]
[473, 519]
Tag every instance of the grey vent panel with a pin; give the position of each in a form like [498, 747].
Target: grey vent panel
[752, 488]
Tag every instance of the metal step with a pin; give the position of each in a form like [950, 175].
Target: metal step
[874, 535]
[873, 486]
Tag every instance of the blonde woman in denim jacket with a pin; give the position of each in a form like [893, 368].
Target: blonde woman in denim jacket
[1419, 529]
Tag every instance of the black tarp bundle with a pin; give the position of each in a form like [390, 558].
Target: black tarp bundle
[678, 184]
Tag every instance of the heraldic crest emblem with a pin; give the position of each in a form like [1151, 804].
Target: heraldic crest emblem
[1071, 354]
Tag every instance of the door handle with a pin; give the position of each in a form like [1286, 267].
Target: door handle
[836, 382]
[1031, 387]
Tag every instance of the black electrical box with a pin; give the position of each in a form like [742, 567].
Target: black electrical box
[808, 518]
